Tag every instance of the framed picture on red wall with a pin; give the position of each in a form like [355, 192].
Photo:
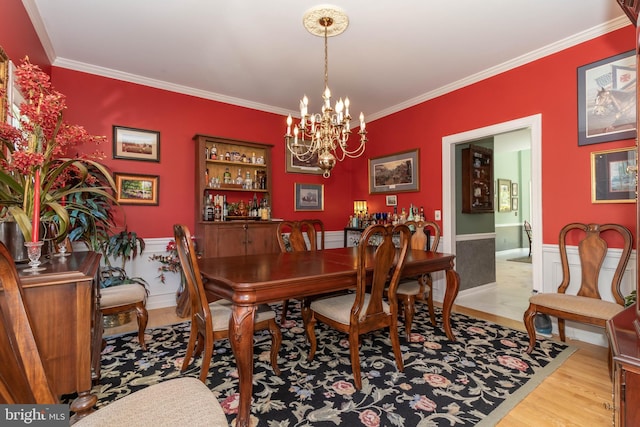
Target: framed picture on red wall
[607, 99]
[613, 176]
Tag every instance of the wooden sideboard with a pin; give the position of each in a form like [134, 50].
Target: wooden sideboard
[625, 348]
[63, 303]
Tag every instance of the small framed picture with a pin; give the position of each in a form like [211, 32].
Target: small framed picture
[134, 189]
[295, 165]
[514, 189]
[136, 144]
[613, 176]
[309, 197]
[392, 200]
[514, 203]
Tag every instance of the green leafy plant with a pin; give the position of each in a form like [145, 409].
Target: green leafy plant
[630, 299]
[126, 246]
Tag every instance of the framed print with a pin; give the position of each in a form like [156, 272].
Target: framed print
[514, 190]
[134, 189]
[392, 200]
[607, 99]
[514, 203]
[4, 85]
[136, 144]
[295, 165]
[394, 173]
[309, 197]
[504, 195]
[613, 176]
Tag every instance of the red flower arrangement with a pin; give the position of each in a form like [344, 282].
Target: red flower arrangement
[38, 172]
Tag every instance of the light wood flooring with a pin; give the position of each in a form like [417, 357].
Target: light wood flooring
[577, 394]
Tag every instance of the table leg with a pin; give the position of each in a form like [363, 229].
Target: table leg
[241, 339]
[450, 294]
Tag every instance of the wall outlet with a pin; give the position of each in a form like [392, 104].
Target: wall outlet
[438, 215]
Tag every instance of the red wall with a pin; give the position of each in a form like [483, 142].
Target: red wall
[547, 86]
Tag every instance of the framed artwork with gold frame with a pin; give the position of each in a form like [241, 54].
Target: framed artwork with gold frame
[613, 176]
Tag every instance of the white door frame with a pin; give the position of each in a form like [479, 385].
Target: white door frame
[534, 123]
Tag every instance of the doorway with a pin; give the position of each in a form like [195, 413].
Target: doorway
[534, 125]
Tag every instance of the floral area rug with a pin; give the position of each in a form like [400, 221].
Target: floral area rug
[473, 381]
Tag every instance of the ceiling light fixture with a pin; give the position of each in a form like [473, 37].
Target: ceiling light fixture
[324, 135]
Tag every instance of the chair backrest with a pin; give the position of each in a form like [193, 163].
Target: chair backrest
[191, 271]
[419, 237]
[22, 374]
[318, 226]
[592, 250]
[291, 236]
[387, 263]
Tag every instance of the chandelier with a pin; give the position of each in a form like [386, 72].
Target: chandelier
[324, 135]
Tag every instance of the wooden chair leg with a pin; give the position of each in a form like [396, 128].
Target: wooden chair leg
[354, 350]
[309, 327]
[190, 346]
[276, 340]
[563, 337]
[429, 285]
[408, 303]
[206, 359]
[395, 344]
[142, 317]
[528, 318]
[285, 307]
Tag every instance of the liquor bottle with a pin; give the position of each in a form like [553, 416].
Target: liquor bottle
[248, 183]
[206, 177]
[422, 213]
[213, 152]
[225, 208]
[254, 205]
[208, 209]
[217, 209]
[239, 179]
[227, 176]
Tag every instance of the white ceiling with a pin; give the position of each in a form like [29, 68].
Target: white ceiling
[256, 53]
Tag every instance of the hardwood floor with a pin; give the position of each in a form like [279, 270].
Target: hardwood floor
[577, 394]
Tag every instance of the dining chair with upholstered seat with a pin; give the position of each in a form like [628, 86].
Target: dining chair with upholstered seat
[24, 379]
[130, 297]
[210, 321]
[411, 290]
[584, 305]
[295, 236]
[365, 310]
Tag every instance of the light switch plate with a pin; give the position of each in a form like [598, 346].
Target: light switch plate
[438, 215]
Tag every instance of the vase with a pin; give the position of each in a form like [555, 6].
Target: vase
[13, 239]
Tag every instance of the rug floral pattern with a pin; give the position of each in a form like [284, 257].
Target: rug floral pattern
[444, 383]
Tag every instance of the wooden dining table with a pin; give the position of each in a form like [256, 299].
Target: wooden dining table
[254, 279]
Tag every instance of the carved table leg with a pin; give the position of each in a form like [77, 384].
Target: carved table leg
[241, 339]
[453, 283]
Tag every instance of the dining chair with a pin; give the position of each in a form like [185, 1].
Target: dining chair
[210, 321]
[529, 231]
[295, 236]
[584, 304]
[365, 310]
[411, 290]
[318, 226]
[130, 297]
[24, 380]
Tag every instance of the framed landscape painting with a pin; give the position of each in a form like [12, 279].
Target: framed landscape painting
[395, 173]
[136, 144]
[135, 189]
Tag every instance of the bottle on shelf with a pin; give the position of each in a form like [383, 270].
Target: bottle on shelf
[213, 152]
[239, 179]
[217, 209]
[248, 183]
[206, 177]
[225, 208]
[227, 176]
[208, 208]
